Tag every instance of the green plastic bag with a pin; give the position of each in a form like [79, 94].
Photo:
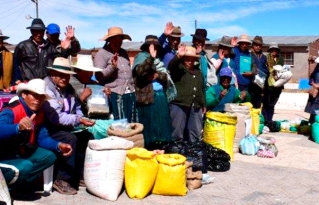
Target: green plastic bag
[99, 130]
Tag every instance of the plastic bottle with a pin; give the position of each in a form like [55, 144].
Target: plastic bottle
[315, 129]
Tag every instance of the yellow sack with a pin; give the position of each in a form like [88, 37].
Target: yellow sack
[254, 113]
[220, 131]
[255, 121]
[171, 176]
[140, 172]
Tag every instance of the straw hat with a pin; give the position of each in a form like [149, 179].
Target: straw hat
[62, 65]
[191, 51]
[36, 85]
[244, 39]
[115, 31]
[85, 63]
[2, 36]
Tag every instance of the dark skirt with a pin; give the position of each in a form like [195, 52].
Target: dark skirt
[156, 120]
[124, 106]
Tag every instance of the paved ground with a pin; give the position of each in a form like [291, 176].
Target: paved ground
[291, 178]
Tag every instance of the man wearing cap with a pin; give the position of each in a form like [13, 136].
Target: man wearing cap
[272, 93]
[218, 95]
[71, 44]
[198, 41]
[117, 74]
[64, 115]
[173, 35]
[6, 64]
[243, 63]
[31, 56]
[259, 62]
[25, 145]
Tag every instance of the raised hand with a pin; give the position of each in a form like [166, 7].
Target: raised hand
[114, 60]
[168, 28]
[26, 123]
[182, 50]
[152, 50]
[69, 34]
[234, 41]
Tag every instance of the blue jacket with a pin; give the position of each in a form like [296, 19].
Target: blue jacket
[167, 53]
[9, 131]
[240, 78]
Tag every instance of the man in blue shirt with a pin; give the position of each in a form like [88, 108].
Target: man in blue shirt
[173, 35]
[26, 149]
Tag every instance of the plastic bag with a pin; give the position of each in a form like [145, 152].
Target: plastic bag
[249, 145]
[260, 79]
[97, 103]
[267, 147]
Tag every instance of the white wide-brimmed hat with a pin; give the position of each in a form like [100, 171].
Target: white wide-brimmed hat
[62, 65]
[85, 63]
[36, 85]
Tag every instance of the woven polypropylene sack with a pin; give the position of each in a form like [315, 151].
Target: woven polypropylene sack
[220, 130]
[104, 172]
[135, 134]
[141, 169]
[243, 113]
[171, 175]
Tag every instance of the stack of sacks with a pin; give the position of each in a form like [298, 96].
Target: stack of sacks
[194, 179]
[104, 166]
[133, 134]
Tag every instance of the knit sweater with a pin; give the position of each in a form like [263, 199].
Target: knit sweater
[189, 84]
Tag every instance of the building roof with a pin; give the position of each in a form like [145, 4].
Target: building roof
[282, 40]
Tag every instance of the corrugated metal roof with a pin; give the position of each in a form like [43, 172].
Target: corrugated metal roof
[282, 40]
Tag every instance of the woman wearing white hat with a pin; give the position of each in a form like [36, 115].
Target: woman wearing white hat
[117, 74]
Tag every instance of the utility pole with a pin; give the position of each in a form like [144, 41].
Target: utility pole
[36, 7]
[195, 24]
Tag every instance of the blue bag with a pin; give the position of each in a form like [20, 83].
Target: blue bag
[249, 145]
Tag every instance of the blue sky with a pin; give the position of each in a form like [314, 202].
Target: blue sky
[92, 18]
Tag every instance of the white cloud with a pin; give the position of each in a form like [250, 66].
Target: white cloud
[92, 18]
